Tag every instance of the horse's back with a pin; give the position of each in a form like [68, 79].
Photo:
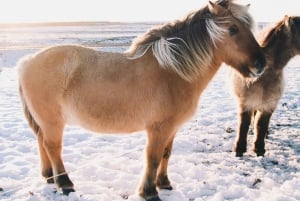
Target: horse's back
[61, 65]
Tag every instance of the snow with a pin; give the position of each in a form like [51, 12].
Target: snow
[109, 167]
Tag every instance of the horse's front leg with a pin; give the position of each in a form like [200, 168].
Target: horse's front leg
[157, 140]
[244, 121]
[261, 125]
[163, 181]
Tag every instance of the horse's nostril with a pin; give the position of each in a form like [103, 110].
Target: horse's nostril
[260, 64]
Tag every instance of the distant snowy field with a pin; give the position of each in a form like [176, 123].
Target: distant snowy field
[109, 167]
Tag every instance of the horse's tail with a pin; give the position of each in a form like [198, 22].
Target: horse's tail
[31, 121]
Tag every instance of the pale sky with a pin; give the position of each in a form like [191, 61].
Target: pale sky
[129, 10]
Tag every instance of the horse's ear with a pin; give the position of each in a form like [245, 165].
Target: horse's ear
[288, 21]
[247, 6]
[294, 24]
[215, 8]
[291, 21]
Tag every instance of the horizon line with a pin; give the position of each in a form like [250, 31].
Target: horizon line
[66, 23]
[91, 22]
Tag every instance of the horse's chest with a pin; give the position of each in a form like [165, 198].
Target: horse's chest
[262, 97]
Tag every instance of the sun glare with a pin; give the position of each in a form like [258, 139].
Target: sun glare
[130, 10]
[93, 10]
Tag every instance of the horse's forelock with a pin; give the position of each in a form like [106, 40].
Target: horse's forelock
[223, 3]
[241, 13]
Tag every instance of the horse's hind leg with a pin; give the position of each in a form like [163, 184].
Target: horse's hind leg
[52, 142]
[45, 161]
[243, 127]
[163, 181]
[261, 125]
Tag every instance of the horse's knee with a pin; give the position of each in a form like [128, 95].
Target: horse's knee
[167, 153]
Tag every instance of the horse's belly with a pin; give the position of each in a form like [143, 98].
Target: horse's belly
[104, 123]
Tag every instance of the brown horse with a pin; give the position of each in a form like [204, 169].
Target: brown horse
[258, 99]
[154, 86]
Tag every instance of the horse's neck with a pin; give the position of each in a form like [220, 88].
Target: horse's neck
[206, 76]
[278, 54]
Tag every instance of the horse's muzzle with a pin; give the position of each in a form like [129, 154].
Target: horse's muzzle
[259, 67]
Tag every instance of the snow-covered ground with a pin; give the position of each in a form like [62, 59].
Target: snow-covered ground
[109, 167]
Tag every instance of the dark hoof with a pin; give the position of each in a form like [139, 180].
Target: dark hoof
[67, 191]
[239, 154]
[50, 181]
[156, 198]
[260, 154]
[166, 188]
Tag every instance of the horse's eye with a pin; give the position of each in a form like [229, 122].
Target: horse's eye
[233, 30]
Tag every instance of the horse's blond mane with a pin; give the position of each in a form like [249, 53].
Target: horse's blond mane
[186, 46]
